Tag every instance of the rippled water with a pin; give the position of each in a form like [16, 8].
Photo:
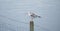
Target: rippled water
[13, 15]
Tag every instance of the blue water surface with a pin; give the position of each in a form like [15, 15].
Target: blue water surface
[13, 15]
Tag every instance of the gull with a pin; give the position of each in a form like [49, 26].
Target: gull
[33, 15]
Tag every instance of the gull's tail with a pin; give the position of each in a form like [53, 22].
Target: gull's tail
[39, 16]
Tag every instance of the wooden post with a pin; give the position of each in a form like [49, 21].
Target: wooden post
[31, 26]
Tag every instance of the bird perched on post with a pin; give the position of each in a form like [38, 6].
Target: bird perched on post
[33, 15]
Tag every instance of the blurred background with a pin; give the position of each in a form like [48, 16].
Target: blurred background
[13, 15]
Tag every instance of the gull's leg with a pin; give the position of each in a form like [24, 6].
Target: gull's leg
[31, 19]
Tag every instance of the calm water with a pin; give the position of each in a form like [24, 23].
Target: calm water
[13, 15]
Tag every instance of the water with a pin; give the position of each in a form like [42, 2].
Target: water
[13, 15]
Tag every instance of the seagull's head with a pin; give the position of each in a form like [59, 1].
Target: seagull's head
[29, 13]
